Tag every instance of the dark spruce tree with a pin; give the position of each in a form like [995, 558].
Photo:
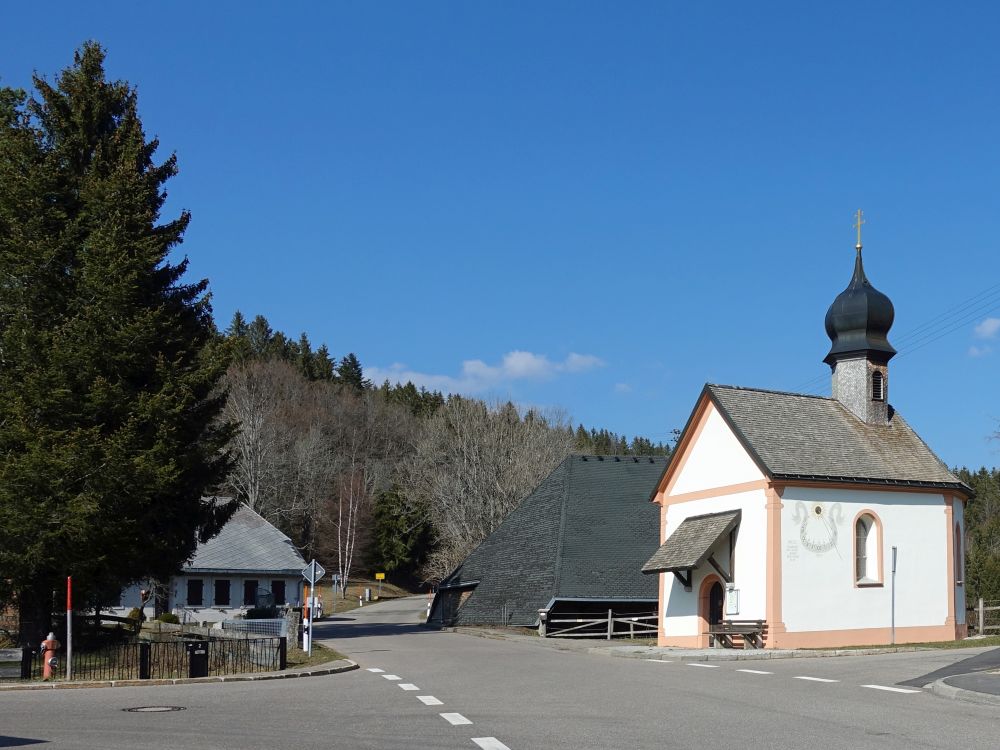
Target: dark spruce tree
[108, 372]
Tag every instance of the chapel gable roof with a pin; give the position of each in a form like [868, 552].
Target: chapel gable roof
[247, 543]
[793, 436]
[582, 533]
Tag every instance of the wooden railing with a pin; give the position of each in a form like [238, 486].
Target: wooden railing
[591, 626]
[987, 618]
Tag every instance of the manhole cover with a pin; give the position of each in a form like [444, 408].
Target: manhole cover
[153, 709]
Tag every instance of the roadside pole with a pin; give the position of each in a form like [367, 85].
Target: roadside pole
[306, 644]
[69, 627]
[312, 573]
[893, 596]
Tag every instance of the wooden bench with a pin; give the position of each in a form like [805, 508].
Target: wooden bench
[752, 632]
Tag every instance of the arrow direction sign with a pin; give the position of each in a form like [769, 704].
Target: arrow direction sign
[313, 572]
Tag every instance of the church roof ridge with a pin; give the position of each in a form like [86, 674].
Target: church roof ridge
[769, 390]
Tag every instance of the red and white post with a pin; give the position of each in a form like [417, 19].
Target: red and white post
[69, 627]
[306, 640]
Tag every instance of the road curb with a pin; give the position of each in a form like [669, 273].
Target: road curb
[674, 654]
[333, 667]
[740, 655]
[944, 690]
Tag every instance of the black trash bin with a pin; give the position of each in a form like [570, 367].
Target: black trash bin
[197, 659]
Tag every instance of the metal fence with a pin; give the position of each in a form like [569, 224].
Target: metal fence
[157, 660]
[277, 627]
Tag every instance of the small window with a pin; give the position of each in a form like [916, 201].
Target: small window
[195, 589]
[250, 593]
[867, 566]
[222, 592]
[878, 386]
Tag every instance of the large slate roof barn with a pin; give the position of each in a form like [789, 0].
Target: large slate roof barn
[577, 542]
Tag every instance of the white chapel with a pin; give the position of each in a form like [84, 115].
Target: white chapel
[783, 509]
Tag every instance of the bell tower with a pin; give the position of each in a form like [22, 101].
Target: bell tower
[858, 324]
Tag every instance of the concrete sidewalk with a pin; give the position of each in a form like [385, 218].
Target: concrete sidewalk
[332, 667]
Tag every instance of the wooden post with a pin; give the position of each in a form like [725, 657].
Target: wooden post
[982, 617]
[611, 625]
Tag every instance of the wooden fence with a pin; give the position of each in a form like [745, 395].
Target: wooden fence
[591, 626]
[984, 617]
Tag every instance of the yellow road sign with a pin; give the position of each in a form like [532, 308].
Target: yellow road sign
[380, 576]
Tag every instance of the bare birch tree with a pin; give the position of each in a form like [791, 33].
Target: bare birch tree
[368, 436]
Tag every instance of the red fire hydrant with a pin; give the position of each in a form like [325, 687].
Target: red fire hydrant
[50, 648]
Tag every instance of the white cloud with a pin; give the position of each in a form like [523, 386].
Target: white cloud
[988, 329]
[979, 351]
[477, 376]
[623, 388]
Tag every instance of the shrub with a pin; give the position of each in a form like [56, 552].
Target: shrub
[169, 617]
[134, 614]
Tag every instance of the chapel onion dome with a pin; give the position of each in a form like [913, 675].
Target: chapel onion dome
[859, 320]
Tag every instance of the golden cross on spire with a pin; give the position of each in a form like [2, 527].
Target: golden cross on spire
[858, 221]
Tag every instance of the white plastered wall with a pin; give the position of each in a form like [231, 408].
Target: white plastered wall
[817, 560]
[680, 607]
[715, 459]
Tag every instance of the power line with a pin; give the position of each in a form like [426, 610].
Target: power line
[937, 327]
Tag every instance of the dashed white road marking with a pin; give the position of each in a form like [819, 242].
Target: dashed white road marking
[408, 686]
[429, 700]
[490, 743]
[754, 671]
[659, 661]
[814, 679]
[455, 719]
[376, 670]
[392, 677]
[706, 666]
[892, 689]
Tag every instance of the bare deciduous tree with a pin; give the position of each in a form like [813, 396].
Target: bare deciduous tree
[472, 464]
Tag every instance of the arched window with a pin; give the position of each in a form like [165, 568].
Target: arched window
[867, 549]
[878, 386]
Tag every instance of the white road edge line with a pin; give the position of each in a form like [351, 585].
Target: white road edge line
[455, 719]
[659, 661]
[706, 666]
[892, 689]
[490, 743]
[392, 677]
[408, 686]
[429, 700]
[814, 679]
[376, 670]
[754, 671]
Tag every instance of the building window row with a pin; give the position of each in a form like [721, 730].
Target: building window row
[223, 592]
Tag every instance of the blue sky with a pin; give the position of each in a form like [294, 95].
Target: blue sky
[593, 206]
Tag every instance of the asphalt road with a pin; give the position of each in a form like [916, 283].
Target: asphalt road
[519, 695]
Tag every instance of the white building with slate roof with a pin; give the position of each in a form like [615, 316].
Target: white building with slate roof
[230, 572]
[785, 508]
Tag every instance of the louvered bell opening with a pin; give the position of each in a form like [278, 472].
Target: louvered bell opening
[878, 386]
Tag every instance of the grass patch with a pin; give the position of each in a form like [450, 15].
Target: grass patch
[297, 658]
